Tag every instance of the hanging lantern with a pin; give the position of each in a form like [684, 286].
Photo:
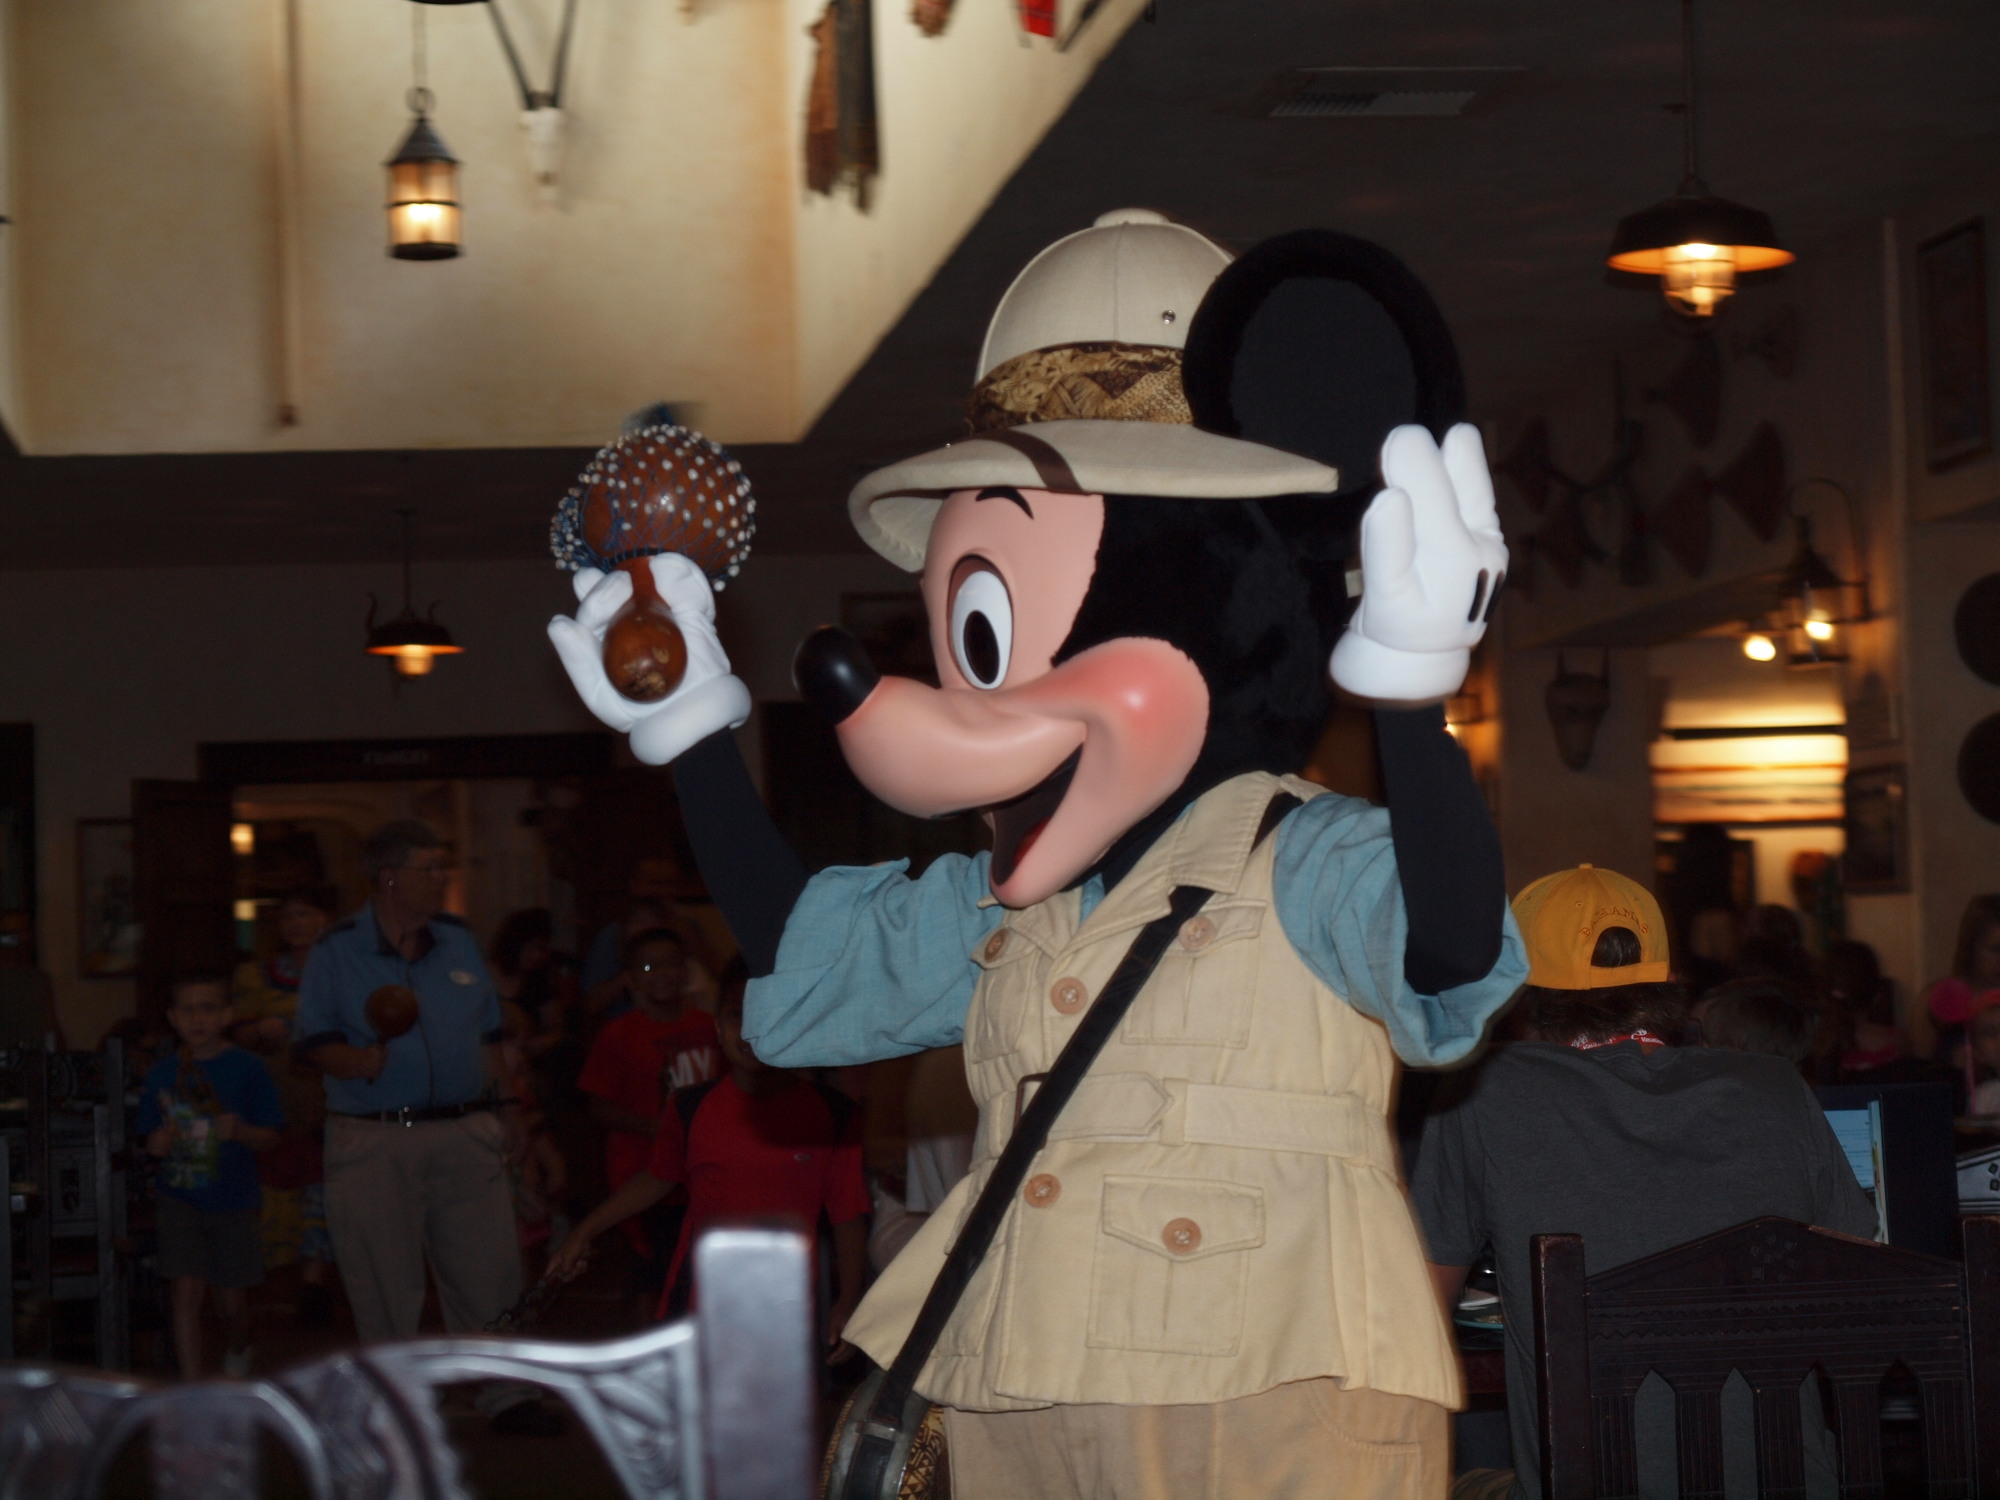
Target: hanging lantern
[1695, 242]
[1817, 602]
[411, 641]
[423, 191]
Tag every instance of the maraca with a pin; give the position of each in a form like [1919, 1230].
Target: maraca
[660, 489]
[391, 1010]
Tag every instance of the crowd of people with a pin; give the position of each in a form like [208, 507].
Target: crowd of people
[519, 1107]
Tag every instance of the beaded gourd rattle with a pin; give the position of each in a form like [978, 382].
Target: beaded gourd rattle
[661, 489]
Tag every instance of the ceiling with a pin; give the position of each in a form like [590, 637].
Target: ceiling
[1826, 116]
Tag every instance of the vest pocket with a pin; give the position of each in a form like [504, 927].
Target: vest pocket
[1000, 1005]
[1205, 989]
[1172, 1265]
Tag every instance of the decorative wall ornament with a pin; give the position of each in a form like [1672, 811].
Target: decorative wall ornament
[1951, 325]
[1877, 854]
[1754, 482]
[1694, 391]
[842, 148]
[541, 109]
[1684, 524]
[1979, 768]
[1975, 624]
[1776, 343]
[1576, 704]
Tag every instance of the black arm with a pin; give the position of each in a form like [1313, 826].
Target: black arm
[748, 867]
[1447, 852]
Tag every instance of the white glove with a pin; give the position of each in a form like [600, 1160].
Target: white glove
[1431, 560]
[710, 697]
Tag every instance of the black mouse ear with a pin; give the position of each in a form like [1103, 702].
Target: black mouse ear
[1319, 343]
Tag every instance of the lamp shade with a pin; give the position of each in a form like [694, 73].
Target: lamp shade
[423, 196]
[1697, 245]
[412, 642]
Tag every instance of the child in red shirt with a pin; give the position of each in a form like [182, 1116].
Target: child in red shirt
[758, 1141]
[661, 1044]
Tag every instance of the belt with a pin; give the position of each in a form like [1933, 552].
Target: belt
[412, 1115]
[1171, 1112]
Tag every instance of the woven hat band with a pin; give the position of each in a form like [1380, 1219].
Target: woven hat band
[1091, 382]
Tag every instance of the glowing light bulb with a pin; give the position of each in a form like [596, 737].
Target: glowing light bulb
[1760, 648]
[243, 837]
[1820, 630]
[1698, 277]
[413, 661]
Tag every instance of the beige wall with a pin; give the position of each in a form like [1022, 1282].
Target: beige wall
[959, 113]
[10, 403]
[682, 261]
[124, 672]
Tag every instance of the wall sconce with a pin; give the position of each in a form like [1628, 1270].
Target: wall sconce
[243, 837]
[423, 174]
[1576, 703]
[1694, 242]
[1758, 645]
[412, 642]
[1815, 601]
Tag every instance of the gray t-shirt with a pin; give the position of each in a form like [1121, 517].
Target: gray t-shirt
[1635, 1150]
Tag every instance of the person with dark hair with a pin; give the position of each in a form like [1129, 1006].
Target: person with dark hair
[398, 1014]
[661, 1044]
[206, 1109]
[1761, 1013]
[1774, 945]
[1938, 1025]
[266, 994]
[1603, 1125]
[1860, 1010]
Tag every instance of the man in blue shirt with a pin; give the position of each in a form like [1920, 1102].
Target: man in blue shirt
[419, 1126]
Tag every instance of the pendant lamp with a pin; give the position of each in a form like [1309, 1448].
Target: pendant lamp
[411, 641]
[423, 174]
[1695, 242]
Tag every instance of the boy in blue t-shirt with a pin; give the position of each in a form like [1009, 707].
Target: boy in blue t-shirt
[207, 1108]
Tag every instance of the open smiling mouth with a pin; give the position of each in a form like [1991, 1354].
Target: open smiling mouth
[1018, 823]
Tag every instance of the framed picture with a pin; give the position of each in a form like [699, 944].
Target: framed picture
[895, 630]
[107, 912]
[1951, 315]
[1877, 857]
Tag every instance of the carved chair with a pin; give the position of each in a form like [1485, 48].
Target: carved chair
[718, 1406]
[1772, 1300]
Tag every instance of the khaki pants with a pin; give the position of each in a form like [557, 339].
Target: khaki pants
[398, 1195]
[1309, 1440]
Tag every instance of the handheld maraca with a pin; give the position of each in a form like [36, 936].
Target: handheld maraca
[391, 1010]
[660, 489]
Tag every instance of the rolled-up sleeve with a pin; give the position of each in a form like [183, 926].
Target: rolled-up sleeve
[873, 965]
[1341, 906]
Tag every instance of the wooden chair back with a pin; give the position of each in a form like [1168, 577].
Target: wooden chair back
[1771, 1300]
[717, 1406]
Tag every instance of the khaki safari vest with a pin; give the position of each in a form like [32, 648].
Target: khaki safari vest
[1219, 1209]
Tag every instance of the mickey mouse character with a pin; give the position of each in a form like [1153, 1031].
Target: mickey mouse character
[1135, 570]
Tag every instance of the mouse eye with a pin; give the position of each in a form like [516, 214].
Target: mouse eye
[982, 623]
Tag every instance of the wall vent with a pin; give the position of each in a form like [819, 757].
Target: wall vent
[1346, 93]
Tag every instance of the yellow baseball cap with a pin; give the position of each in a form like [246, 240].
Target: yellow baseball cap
[1562, 915]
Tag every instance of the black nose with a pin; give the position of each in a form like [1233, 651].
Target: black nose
[833, 672]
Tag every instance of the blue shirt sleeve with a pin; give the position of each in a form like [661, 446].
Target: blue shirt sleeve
[320, 990]
[1341, 905]
[873, 964]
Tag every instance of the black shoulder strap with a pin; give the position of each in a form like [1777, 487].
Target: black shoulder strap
[688, 1100]
[1031, 1133]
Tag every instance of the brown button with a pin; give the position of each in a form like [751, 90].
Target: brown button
[1068, 996]
[996, 945]
[1042, 1190]
[1197, 932]
[1182, 1236]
